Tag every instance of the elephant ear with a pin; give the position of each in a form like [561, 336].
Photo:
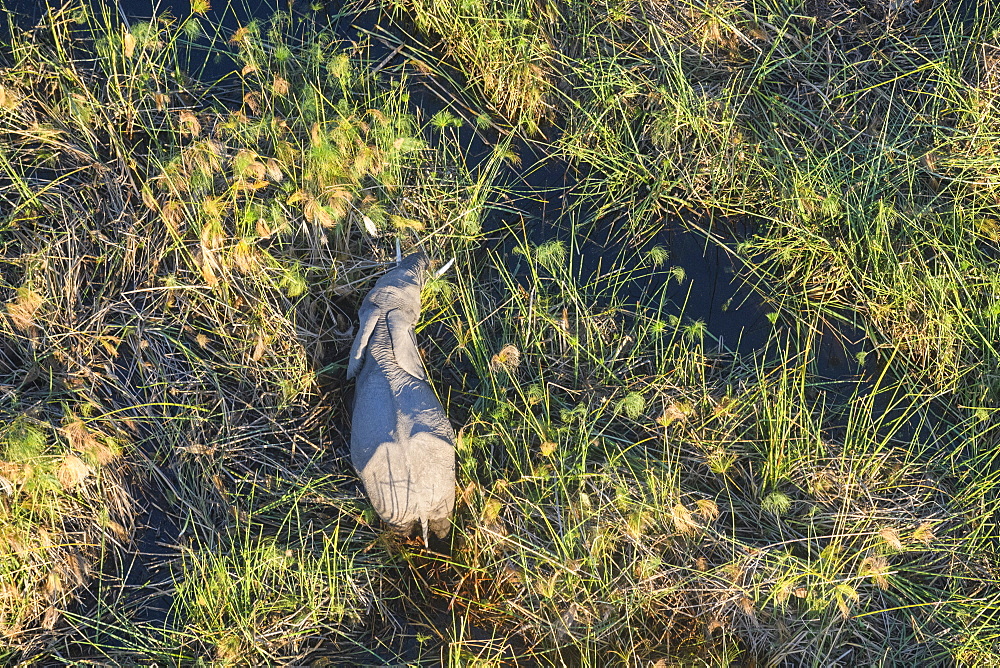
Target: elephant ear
[368, 314]
[404, 344]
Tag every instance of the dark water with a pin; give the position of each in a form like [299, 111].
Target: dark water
[542, 191]
[224, 14]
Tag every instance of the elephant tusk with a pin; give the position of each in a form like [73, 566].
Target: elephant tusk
[445, 268]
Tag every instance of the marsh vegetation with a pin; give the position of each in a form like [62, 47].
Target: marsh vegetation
[183, 256]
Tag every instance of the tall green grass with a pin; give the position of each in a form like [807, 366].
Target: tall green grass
[505, 49]
[857, 137]
[182, 270]
[182, 264]
[635, 495]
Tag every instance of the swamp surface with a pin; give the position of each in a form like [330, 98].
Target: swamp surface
[720, 340]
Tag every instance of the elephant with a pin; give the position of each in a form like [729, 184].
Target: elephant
[402, 443]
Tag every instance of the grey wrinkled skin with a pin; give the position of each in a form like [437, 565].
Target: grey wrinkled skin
[402, 444]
